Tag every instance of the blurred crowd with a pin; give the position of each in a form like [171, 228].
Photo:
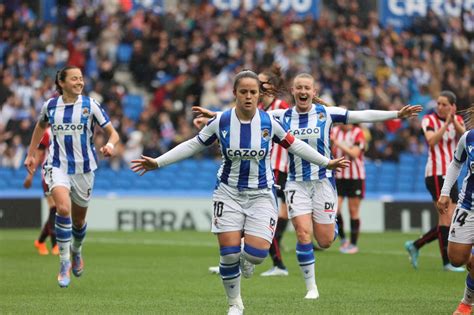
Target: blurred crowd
[188, 55]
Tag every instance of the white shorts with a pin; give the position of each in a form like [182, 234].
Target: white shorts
[253, 211]
[318, 197]
[79, 185]
[462, 227]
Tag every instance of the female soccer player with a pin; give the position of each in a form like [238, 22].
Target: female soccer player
[441, 129]
[349, 141]
[310, 190]
[69, 171]
[461, 234]
[244, 199]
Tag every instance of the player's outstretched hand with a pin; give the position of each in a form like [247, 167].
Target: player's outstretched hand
[200, 122]
[339, 163]
[408, 111]
[202, 112]
[443, 203]
[144, 165]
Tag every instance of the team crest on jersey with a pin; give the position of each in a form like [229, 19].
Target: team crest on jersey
[322, 116]
[85, 112]
[266, 134]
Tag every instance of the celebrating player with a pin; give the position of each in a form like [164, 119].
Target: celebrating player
[461, 237]
[311, 193]
[441, 129]
[244, 200]
[69, 171]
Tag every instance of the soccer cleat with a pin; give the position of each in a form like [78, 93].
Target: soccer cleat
[463, 309]
[412, 253]
[42, 249]
[449, 267]
[214, 270]
[351, 249]
[64, 276]
[235, 310]
[77, 264]
[275, 272]
[55, 250]
[344, 244]
[246, 267]
[312, 294]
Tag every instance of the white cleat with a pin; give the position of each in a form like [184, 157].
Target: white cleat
[312, 294]
[275, 272]
[246, 267]
[214, 270]
[235, 310]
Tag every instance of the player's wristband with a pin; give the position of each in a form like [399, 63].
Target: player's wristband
[110, 145]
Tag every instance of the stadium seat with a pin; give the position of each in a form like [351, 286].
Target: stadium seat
[124, 53]
[132, 106]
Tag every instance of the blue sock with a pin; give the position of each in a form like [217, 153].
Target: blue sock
[63, 227]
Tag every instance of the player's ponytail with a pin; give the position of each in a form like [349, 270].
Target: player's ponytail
[468, 114]
[61, 76]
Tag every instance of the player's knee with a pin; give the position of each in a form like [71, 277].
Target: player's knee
[63, 210]
[229, 255]
[457, 260]
[303, 235]
[325, 242]
[254, 255]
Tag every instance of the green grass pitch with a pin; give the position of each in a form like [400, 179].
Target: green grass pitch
[166, 273]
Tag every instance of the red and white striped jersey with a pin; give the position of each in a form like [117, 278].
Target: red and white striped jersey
[441, 154]
[350, 138]
[279, 157]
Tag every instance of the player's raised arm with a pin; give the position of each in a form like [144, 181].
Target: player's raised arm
[361, 116]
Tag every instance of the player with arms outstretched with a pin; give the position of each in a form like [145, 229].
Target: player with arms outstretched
[244, 198]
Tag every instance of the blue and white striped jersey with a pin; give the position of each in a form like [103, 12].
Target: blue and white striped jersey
[245, 147]
[465, 153]
[72, 130]
[314, 128]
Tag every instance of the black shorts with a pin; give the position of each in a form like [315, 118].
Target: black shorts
[280, 180]
[434, 185]
[351, 188]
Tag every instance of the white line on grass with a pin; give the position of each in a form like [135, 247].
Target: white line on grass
[193, 243]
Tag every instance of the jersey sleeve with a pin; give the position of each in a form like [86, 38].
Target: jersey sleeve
[99, 113]
[280, 134]
[277, 113]
[338, 114]
[460, 119]
[460, 154]
[210, 132]
[44, 115]
[427, 124]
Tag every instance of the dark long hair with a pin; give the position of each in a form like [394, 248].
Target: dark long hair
[61, 76]
[276, 80]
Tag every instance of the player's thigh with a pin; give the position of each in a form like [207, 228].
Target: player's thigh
[261, 215]
[298, 198]
[227, 214]
[81, 188]
[324, 202]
